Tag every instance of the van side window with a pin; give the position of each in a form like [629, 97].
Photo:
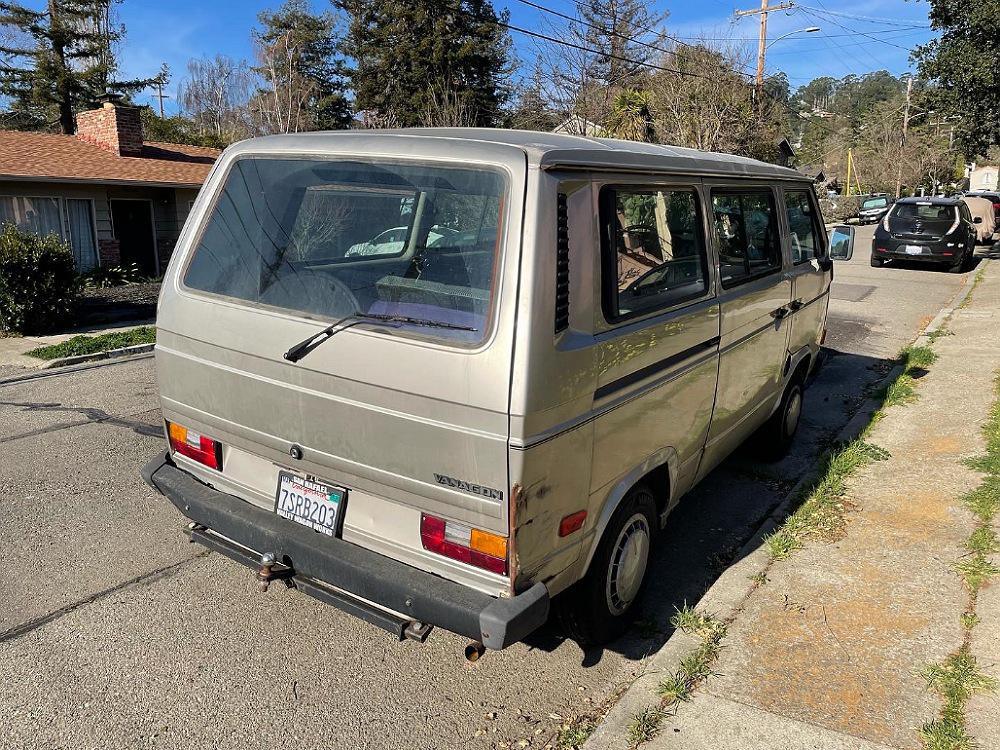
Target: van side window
[746, 227]
[805, 239]
[654, 251]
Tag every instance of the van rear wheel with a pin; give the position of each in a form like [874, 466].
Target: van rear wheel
[779, 431]
[601, 606]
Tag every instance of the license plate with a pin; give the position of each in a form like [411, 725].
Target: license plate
[914, 249]
[310, 503]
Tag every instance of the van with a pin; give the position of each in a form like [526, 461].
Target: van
[453, 377]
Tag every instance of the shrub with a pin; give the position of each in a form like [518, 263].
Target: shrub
[104, 278]
[38, 284]
[839, 209]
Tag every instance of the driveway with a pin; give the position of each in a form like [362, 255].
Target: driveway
[115, 632]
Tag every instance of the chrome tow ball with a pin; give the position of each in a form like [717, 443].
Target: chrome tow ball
[265, 574]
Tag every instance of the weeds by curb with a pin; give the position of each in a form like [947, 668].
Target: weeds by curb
[958, 677]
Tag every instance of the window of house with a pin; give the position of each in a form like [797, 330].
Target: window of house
[746, 229]
[654, 250]
[36, 215]
[805, 237]
[80, 217]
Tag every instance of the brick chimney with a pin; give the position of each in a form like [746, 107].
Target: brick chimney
[113, 127]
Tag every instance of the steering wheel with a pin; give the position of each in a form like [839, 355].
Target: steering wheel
[314, 292]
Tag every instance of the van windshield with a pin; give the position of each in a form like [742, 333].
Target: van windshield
[330, 239]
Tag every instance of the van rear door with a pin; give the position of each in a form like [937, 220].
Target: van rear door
[405, 405]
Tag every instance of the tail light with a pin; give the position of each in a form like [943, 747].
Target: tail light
[996, 208]
[195, 446]
[958, 220]
[472, 546]
[885, 221]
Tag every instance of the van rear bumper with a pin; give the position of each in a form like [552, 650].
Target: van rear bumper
[415, 594]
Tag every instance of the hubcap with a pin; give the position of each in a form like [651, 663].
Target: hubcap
[793, 412]
[628, 562]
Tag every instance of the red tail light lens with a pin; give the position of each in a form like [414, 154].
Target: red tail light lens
[195, 446]
[471, 546]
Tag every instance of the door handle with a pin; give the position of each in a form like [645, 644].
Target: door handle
[780, 313]
[796, 304]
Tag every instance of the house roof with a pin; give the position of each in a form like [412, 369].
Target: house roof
[45, 157]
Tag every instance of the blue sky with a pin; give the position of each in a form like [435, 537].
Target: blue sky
[177, 30]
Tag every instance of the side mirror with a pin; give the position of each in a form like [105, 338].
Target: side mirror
[977, 220]
[842, 243]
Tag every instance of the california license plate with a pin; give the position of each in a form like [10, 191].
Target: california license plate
[310, 503]
[914, 249]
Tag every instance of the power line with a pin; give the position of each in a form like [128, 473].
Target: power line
[828, 16]
[869, 19]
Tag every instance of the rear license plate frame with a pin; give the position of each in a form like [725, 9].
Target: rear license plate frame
[304, 505]
[913, 249]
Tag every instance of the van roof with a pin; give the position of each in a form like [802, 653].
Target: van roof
[544, 150]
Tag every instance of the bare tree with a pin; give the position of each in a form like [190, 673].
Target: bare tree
[281, 106]
[704, 101]
[215, 95]
[448, 108]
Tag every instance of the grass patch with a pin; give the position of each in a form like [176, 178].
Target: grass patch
[956, 679]
[938, 333]
[821, 514]
[697, 665]
[983, 541]
[759, 578]
[574, 734]
[915, 361]
[969, 620]
[976, 570]
[645, 724]
[92, 344]
[984, 501]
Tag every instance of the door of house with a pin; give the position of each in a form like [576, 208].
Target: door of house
[133, 224]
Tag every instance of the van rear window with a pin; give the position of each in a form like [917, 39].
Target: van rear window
[328, 239]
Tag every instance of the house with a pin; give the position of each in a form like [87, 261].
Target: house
[785, 153]
[577, 125]
[113, 197]
[984, 177]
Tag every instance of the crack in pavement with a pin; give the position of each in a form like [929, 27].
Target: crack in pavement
[92, 415]
[146, 578]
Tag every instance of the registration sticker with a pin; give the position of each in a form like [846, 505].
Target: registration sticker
[310, 503]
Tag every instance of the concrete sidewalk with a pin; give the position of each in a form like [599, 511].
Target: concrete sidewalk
[828, 651]
[13, 348]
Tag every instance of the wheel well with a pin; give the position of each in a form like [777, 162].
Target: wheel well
[802, 369]
[658, 481]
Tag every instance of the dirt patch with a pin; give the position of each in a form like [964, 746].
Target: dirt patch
[944, 445]
[838, 660]
[919, 516]
[924, 322]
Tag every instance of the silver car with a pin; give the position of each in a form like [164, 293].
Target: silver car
[495, 413]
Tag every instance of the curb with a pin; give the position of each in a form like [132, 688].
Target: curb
[725, 598]
[126, 351]
[40, 373]
[946, 312]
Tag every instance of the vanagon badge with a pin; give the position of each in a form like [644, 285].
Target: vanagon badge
[470, 487]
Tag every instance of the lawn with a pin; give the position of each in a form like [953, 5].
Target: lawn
[93, 344]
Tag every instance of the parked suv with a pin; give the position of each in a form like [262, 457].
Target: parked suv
[939, 230]
[874, 207]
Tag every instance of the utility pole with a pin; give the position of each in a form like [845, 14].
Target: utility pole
[902, 140]
[850, 163]
[161, 96]
[762, 41]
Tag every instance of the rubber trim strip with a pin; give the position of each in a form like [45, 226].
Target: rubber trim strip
[649, 370]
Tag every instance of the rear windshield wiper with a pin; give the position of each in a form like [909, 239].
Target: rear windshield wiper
[303, 348]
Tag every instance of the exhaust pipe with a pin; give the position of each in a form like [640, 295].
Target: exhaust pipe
[474, 650]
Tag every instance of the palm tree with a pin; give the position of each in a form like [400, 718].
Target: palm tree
[631, 118]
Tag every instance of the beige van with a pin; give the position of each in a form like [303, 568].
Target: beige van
[448, 377]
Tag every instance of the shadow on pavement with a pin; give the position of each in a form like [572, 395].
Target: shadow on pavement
[706, 531]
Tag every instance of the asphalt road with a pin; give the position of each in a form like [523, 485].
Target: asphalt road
[117, 633]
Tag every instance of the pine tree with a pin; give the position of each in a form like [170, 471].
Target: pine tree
[64, 63]
[409, 54]
[304, 77]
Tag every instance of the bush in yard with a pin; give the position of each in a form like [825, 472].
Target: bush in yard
[38, 283]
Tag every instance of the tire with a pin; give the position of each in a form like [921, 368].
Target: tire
[601, 606]
[877, 262]
[775, 437]
[963, 263]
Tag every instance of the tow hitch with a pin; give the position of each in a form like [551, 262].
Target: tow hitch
[269, 569]
[272, 570]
